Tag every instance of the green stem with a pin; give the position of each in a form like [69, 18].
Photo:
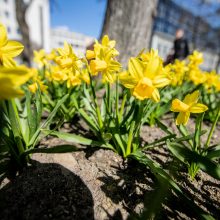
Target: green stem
[212, 128]
[96, 104]
[117, 100]
[122, 107]
[109, 97]
[130, 138]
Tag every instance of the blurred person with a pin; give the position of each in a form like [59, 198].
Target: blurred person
[181, 49]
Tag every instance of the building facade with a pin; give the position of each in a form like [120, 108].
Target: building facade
[78, 41]
[200, 34]
[37, 17]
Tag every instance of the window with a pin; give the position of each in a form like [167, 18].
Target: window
[6, 14]
[18, 31]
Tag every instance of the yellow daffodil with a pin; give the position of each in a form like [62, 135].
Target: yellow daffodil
[59, 74]
[90, 54]
[197, 76]
[144, 77]
[66, 57]
[85, 76]
[103, 60]
[40, 58]
[187, 106]
[103, 48]
[8, 49]
[52, 55]
[11, 79]
[73, 80]
[34, 86]
[196, 58]
[178, 72]
[212, 81]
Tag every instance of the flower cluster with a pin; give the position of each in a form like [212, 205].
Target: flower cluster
[189, 71]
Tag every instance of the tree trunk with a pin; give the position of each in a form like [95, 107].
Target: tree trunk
[217, 66]
[21, 9]
[130, 23]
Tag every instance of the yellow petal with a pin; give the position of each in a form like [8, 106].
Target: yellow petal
[198, 108]
[12, 49]
[10, 80]
[135, 68]
[8, 62]
[161, 81]
[127, 81]
[152, 67]
[90, 54]
[8, 90]
[105, 40]
[3, 36]
[178, 106]
[182, 118]
[17, 75]
[155, 95]
[64, 62]
[33, 87]
[191, 98]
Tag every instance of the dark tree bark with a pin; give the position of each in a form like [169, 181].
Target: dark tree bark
[21, 9]
[129, 22]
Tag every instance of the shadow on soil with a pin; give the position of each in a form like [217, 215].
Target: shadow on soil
[46, 191]
[136, 184]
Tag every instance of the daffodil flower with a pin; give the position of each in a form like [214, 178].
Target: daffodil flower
[40, 58]
[11, 79]
[103, 60]
[187, 106]
[34, 86]
[59, 74]
[66, 57]
[196, 58]
[8, 49]
[144, 76]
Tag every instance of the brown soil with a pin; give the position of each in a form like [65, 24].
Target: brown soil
[98, 184]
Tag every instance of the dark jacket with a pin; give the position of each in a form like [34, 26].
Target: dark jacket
[181, 49]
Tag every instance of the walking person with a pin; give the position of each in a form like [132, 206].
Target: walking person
[181, 49]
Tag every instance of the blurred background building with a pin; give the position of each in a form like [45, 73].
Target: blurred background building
[41, 34]
[37, 17]
[78, 41]
[200, 34]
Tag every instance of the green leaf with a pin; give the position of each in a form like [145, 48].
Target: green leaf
[163, 127]
[39, 106]
[31, 114]
[188, 137]
[213, 152]
[188, 156]
[198, 128]
[4, 165]
[76, 139]
[47, 122]
[52, 150]
[163, 139]
[177, 150]
[88, 120]
[14, 118]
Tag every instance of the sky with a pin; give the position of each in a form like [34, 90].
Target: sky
[82, 16]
